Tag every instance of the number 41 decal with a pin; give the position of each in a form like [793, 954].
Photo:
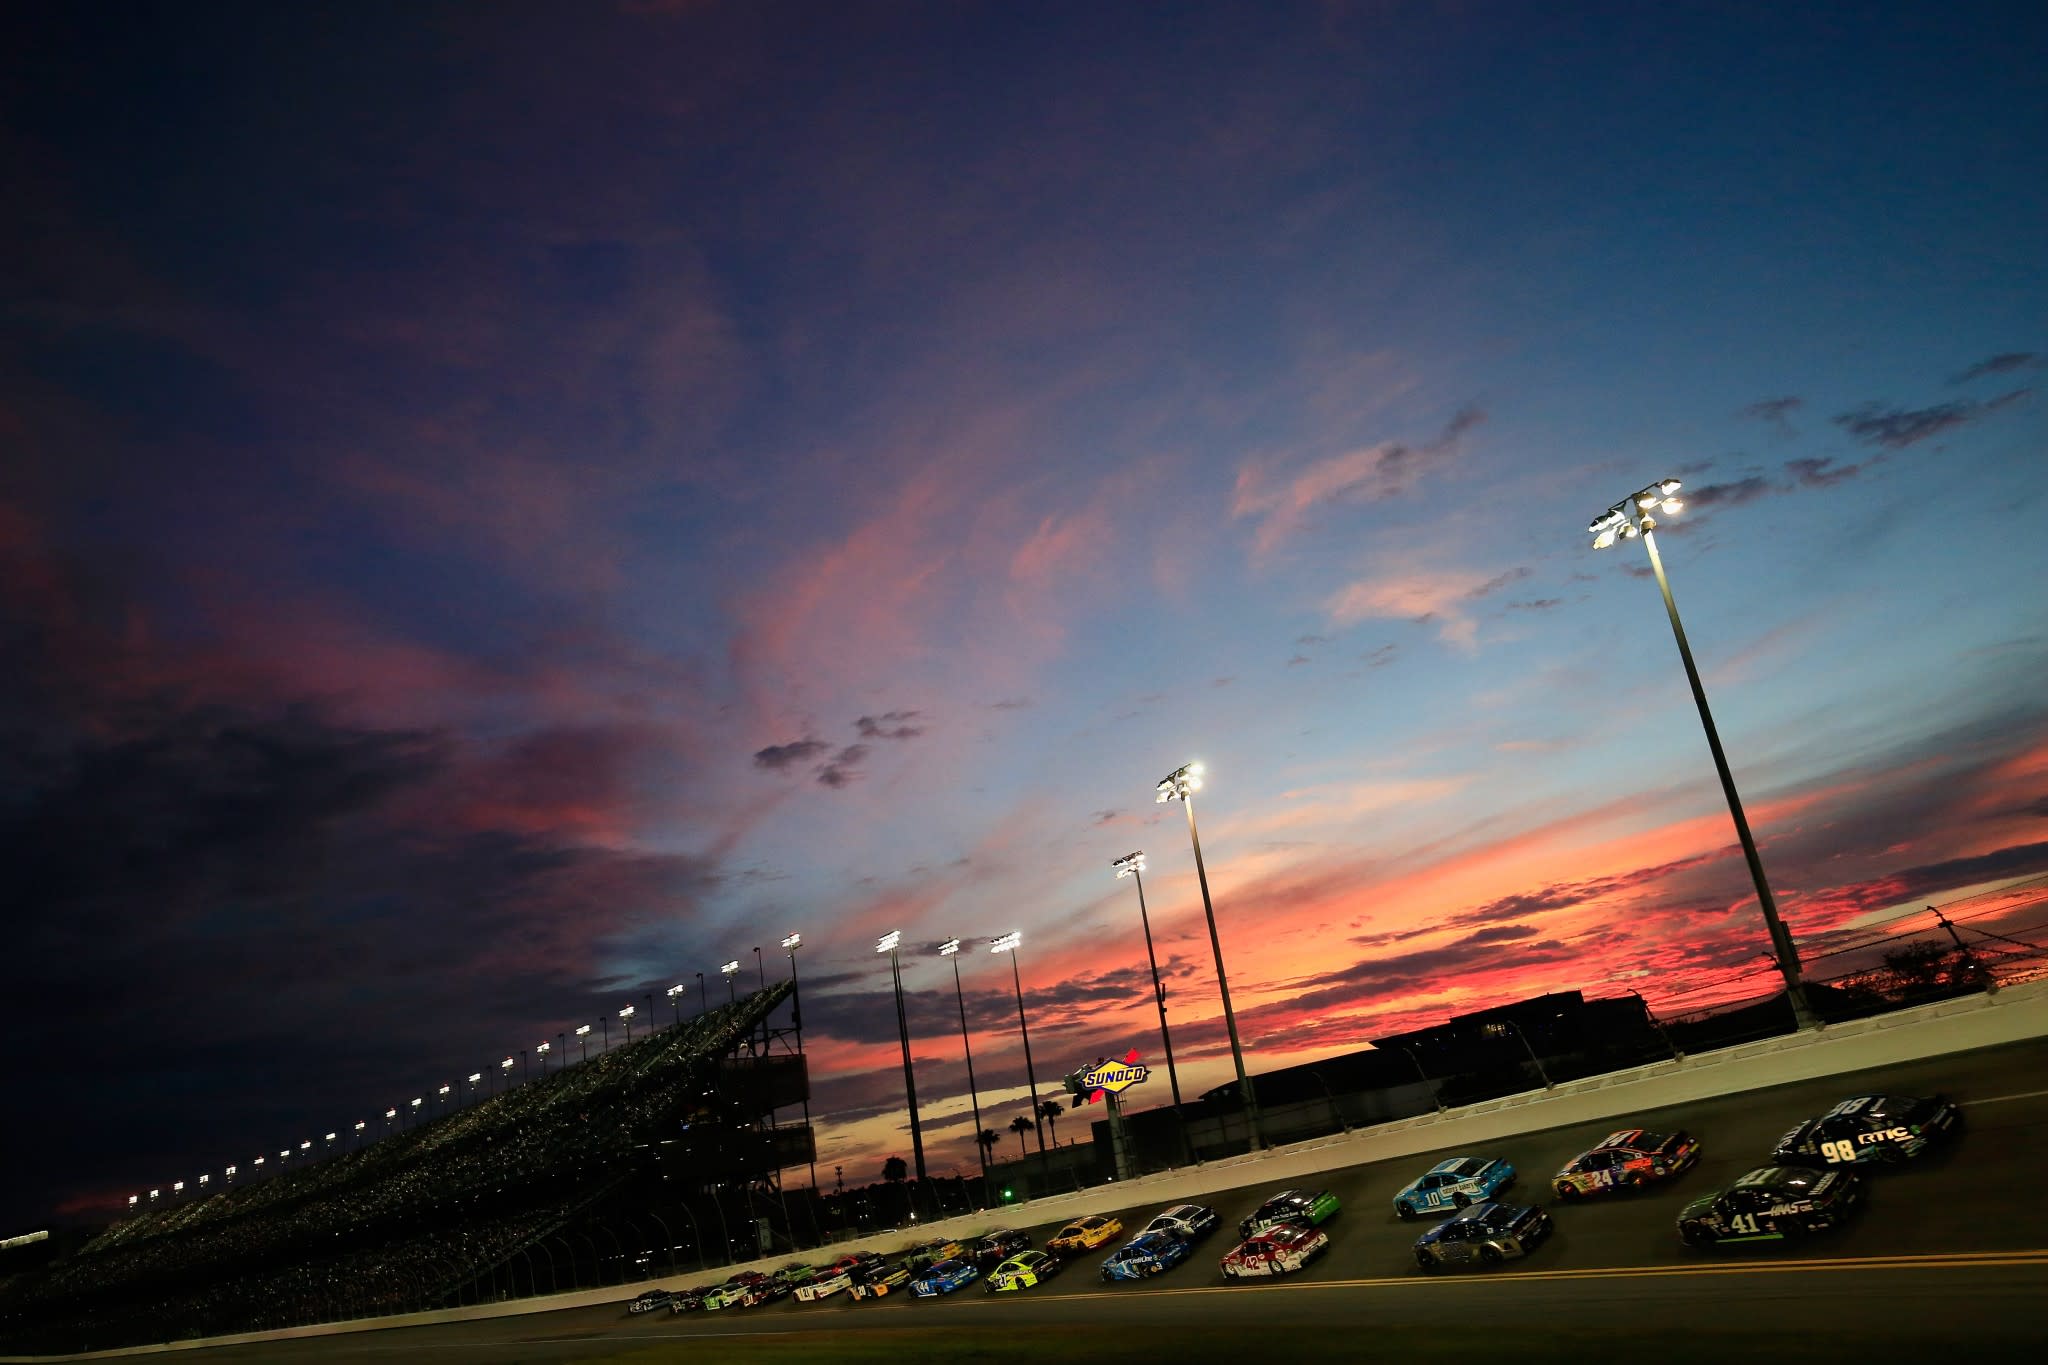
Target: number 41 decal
[1744, 1222]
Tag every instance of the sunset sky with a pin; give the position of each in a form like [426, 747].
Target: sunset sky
[506, 507]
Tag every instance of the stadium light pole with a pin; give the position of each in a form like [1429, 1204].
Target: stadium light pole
[440, 1101]
[1500, 1026]
[731, 970]
[583, 1040]
[675, 1000]
[541, 1049]
[790, 943]
[505, 1073]
[525, 1067]
[891, 943]
[703, 1000]
[760, 970]
[476, 1078]
[417, 1100]
[1633, 518]
[626, 1015]
[605, 1030]
[1181, 785]
[1132, 865]
[951, 948]
[358, 1139]
[1008, 944]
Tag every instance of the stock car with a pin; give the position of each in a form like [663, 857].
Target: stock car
[1457, 1182]
[796, 1274]
[690, 1300]
[930, 1253]
[1487, 1233]
[651, 1300]
[1279, 1250]
[836, 1278]
[1025, 1270]
[1311, 1208]
[1189, 1222]
[1084, 1234]
[1871, 1130]
[1629, 1159]
[743, 1290]
[997, 1246]
[944, 1277]
[1147, 1254]
[880, 1281]
[1771, 1204]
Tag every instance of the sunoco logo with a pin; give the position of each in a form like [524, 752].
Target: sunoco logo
[1113, 1078]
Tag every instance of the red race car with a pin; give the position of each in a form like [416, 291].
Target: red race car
[1276, 1251]
[1629, 1159]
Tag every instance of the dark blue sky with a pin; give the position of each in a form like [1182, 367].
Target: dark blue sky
[507, 507]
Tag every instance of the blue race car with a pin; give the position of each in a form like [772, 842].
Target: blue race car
[1458, 1182]
[943, 1278]
[1147, 1254]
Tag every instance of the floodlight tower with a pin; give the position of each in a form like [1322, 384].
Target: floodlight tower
[1181, 785]
[1132, 865]
[1008, 944]
[951, 948]
[731, 970]
[1633, 518]
[892, 943]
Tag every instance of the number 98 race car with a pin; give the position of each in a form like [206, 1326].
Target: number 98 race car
[1871, 1130]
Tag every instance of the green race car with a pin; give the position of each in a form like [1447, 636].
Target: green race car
[1309, 1208]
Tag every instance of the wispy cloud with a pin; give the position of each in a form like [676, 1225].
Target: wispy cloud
[1889, 428]
[1441, 598]
[1775, 413]
[2010, 362]
[1281, 502]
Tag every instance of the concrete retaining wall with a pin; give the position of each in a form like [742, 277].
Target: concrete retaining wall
[2013, 1015]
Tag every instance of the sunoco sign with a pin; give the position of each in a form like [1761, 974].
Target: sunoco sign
[1112, 1078]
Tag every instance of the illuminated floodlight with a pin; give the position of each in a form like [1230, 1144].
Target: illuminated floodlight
[1007, 943]
[177, 1186]
[258, 1162]
[359, 1127]
[231, 1171]
[475, 1076]
[307, 1145]
[581, 1030]
[731, 968]
[204, 1178]
[157, 1194]
[888, 942]
[416, 1102]
[1669, 486]
[626, 1013]
[331, 1136]
[392, 1112]
[133, 1199]
[793, 941]
[543, 1047]
[285, 1155]
[505, 1065]
[674, 991]
[1177, 785]
[1129, 865]
[949, 947]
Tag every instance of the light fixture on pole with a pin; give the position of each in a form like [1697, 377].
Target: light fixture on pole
[676, 1003]
[541, 1050]
[627, 1015]
[1008, 944]
[583, 1040]
[417, 1101]
[891, 943]
[1634, 517]
[445, 1091]
[731, 970]
[505, 1072]
[1132, 865]
[1498, 1027]
[790, 943]
[1181, 785]
[951, 948]
[476, 1078]
[760, 969]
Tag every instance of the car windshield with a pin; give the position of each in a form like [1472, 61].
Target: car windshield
[1497, 1216]
[1471, 1165]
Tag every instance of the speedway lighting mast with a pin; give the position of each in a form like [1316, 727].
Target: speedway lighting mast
[731, 970]
[790, 943]
[1634, 517]
[951, 948]
[891, 943]
[1008, 944]
[626, 1014]
[1181, 785]
[1132, 865]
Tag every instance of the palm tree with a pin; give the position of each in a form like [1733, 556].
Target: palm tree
[988, 1139]
[1021, 1125]
[894, 1171]
[1050, 1111]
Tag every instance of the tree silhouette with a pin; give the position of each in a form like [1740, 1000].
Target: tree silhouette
[988, 1138]
[1050, 1111]
[1021, 1125]
[894, 1171]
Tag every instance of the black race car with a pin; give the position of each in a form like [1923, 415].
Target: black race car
[996, 1247]
[651, 1300]
[1871, 1130]
[1310, 1208]
[881, 1280]
[1771, 1204]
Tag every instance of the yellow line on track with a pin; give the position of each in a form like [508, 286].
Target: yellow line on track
[1932, 1261]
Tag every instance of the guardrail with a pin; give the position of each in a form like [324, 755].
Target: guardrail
[1949, 1026]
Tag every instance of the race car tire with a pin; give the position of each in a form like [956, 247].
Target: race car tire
[1404, 1209]
[1490, 1255]
[1426, 1261]
[1695, 1234]
[1462, 1200]
[1567, 1191]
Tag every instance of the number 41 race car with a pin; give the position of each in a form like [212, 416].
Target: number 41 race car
[1771, 1204]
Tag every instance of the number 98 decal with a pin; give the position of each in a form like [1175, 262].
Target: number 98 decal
[1844, 1150]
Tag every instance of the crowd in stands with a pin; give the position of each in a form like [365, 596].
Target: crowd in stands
[403, 1223]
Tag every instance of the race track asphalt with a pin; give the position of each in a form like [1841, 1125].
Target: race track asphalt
[1951, 1251]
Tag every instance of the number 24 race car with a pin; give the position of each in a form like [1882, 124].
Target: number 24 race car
[1629, 1159]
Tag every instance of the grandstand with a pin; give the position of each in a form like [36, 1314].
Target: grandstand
[469, 1207]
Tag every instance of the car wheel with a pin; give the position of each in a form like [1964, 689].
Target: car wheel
[1404, 1209]
[1490, 1255]
[1462, 1200]
[1426, 1261]
[1695, 1234]
[1567, 1191]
